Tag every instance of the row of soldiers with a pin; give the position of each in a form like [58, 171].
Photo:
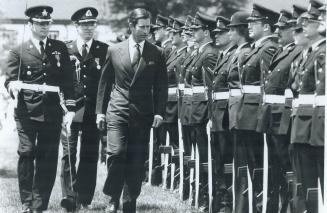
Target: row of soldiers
[258, 82]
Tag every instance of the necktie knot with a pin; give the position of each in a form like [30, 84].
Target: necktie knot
[84, 50]
[41, 47]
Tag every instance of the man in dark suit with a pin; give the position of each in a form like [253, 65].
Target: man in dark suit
[250, 144]
[37, 71]
[133, 94]
[87, 56]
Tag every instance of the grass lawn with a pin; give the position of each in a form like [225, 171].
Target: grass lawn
[152, 199]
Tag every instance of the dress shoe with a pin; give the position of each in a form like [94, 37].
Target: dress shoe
[26, 208]
[112, 206]
[68, 204]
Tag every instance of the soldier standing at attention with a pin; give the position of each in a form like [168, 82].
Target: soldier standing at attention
[87, 56]
[161, 34]
[221, 143]
[307, 143]
[250, 143]
[274, 84]
[37, 71]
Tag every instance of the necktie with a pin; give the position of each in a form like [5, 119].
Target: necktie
[136, 57]
[42, 47]
[84, 51]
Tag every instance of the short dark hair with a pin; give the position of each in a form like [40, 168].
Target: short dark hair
[136, 14]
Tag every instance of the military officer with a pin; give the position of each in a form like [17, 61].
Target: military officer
[218, 113]
[250, 143]
[239, 34]
[87, 56]
[161, 34]
[306, 145]
[37, 72]
[275, 84]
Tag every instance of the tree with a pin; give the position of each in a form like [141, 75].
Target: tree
[177, 8]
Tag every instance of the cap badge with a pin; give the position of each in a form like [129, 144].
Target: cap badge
[44, 12]
[88, 13]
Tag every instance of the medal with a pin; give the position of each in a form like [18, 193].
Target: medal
[97, 61]
[57, 56]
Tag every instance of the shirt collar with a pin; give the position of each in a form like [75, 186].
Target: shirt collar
[240, 47]
[287, 46]
[165, 42]
[317, 43]
[203, 46]
[132, 43]
[227, 50]
[259, 42]
[181, 49]
[36, 42]
[80, 42]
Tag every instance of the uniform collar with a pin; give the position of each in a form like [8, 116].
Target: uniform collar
[259, 42]
[165, 42]
[317, 43]
[287, 46]
[238, 49]
[36, 42]
[203, 46]
[181, 49]
[80, 43]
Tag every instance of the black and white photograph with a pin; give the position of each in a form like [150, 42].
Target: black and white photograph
[162, 106]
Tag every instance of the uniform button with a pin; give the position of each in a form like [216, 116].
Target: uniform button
[320, 70]
[28, 67]
[318, 82]
[84, 66]
[269, 71]
[84, 76]
[84, 96]
[300, 83]
[44, 74]
[266, 82]
[43, 64]
[278, 70]
[84, 86]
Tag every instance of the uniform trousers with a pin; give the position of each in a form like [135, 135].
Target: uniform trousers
[84, 179]
[248, 151]
[37, 163]
[127, 148]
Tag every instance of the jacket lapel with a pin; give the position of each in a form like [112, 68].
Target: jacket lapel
[283, 54]
[31, 49]
[125, 56]
[143, 61]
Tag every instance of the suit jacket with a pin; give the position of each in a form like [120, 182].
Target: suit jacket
[275, 82]
[218, 110]
[52, 69]
[134, 96]
[253, 67]
[86, 80]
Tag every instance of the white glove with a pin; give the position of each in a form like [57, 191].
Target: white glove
[68, 119]
[101, 118]
[157, 121]
[74, 58]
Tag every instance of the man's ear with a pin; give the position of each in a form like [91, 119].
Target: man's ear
[207, 32]
[266, 28]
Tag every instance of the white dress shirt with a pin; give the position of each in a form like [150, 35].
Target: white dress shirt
[132, 47]
[80, 42]
[36, 43]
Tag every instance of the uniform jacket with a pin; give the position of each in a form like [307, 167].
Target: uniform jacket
[234, 82]
[52, 69]
[86, 80]
[134, 96]
[302, 116]
[275, 83]
[201, 73]
[253, 67]
[173, 65]
[218, 111]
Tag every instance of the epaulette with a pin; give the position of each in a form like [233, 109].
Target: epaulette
[69, 41]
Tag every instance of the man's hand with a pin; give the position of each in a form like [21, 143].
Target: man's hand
[68, 119]
[101, 121]
[157, 121]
